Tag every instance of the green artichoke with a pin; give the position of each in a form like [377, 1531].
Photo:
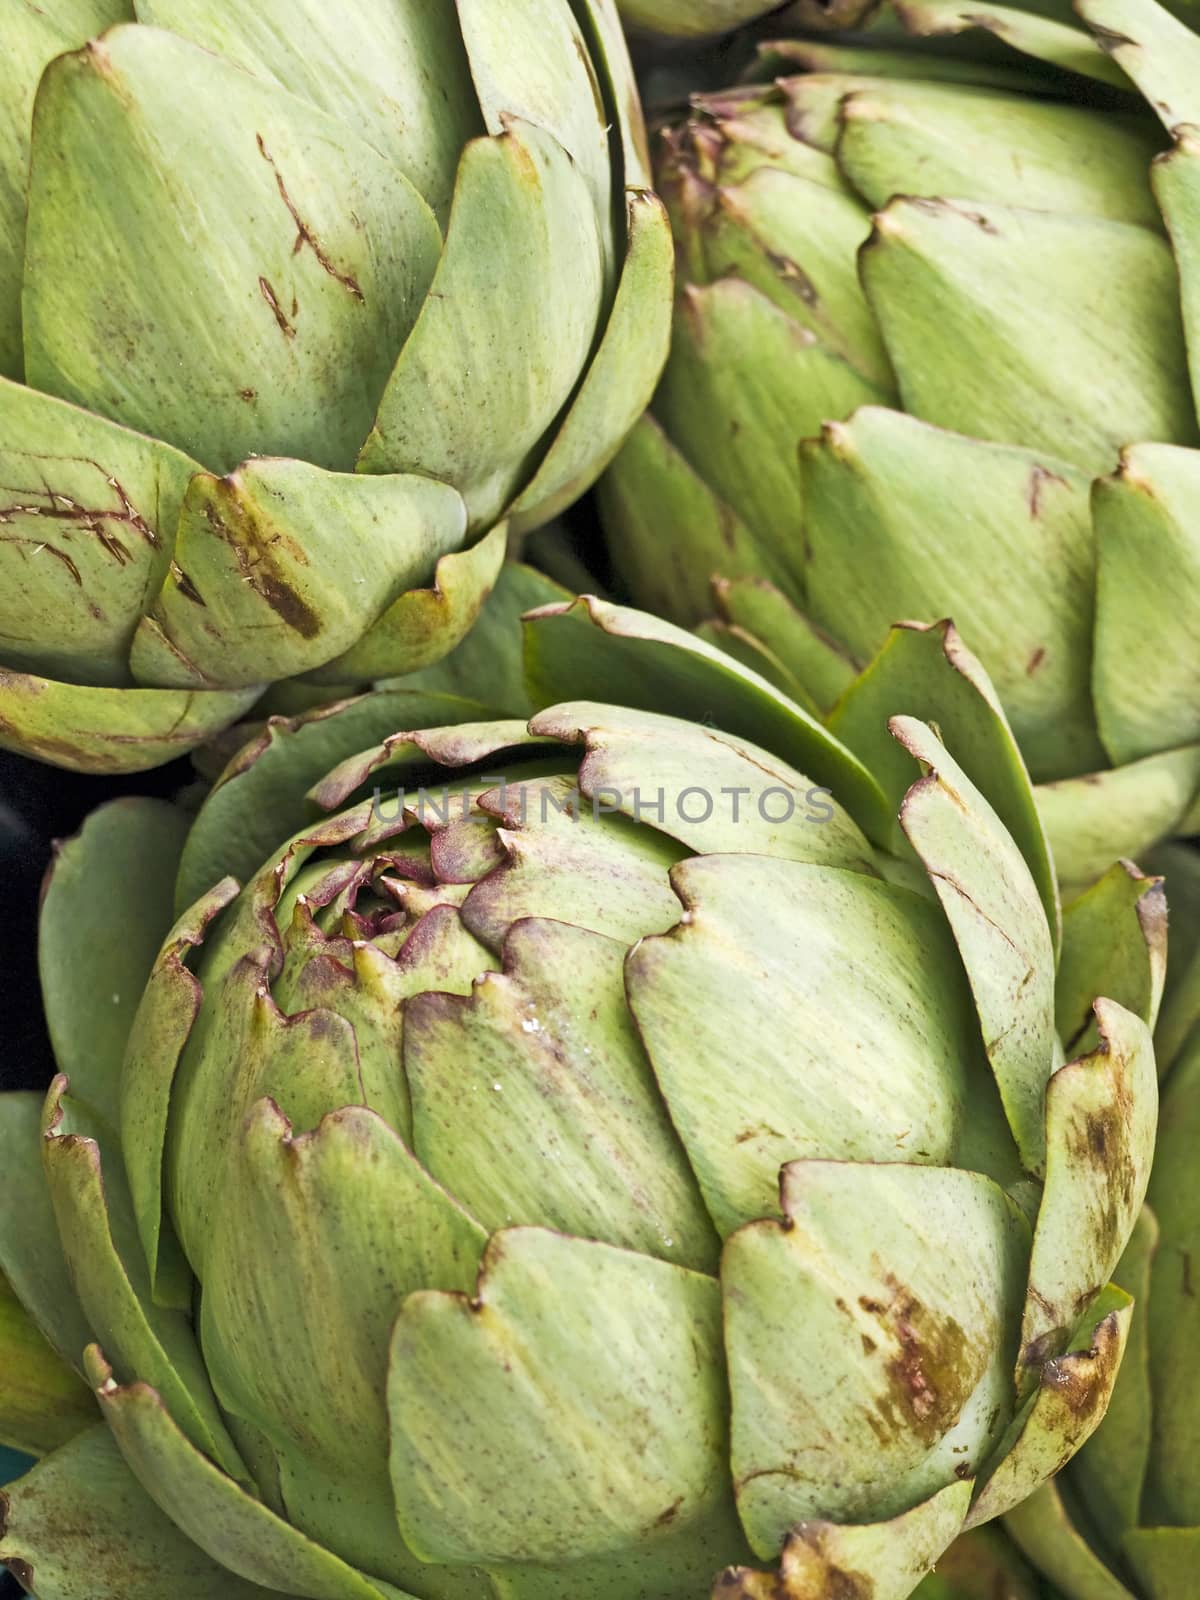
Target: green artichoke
[599, 1154]
[300, 302]
[935, 353]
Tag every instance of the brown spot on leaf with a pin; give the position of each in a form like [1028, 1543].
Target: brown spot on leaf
[929, 1370]
[1039, 476]
[1035, 660]
[1111, 41]
[794, 275]
[62, 509]
[304, 234]
[270, 297]
[810, 1570]
[185, 585]
[254, 551]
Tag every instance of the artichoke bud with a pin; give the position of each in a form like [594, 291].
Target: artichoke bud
[620, 1151]
[897, 213]
[251, 269]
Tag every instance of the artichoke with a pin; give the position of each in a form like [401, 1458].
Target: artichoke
[300, 303]
[597, 1153]
[935, 353]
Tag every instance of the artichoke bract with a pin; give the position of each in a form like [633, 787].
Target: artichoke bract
[935, 353]
[302, 305]
[691, 19]
[1123, 1521]
[652, 1146]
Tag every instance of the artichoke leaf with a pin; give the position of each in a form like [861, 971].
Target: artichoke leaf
[31, 1252]
[522, 253]
[605, 24]
[680, 777]
[30, 37]
[820, 1556]
[1115, 945]
[420, 626]
[356, 1516]
[119, 869]
[888, 1346]
[844, 961]
[405, 753]
[929, 670]
[650, 491]
[820, 664]
[217, 1514]
[906, 520]
[991, 903]
[168, 1007]
[83, 1511]
[758, 129]
[87, 530]
[1111, 1470]
[737, 356]
[778, 58]
[532, 62]
[99, 1236]
[43, 1404]
[795, 241]
[240, 1023]
[676, 1565]
[1121, 811]
[107, 730]
[1057, 41]
[437, 954]
[589, 649]
[981, 1565]
[1173, 1486]
[492, 653]
[565, 859]
[293, 765]
[573, 1406]
[1101, 1116]
[1076, 319]
[279, 568]
[1164, 1559]
[529, 1117]
[325, 1233]
[621, 379]
[1043, 1528]
[753, 653]
[393, 71]
[1066, 1408]
[253, 265]
[1180, 865]
[1158, 51]
[1146, 669]
[975, 144]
